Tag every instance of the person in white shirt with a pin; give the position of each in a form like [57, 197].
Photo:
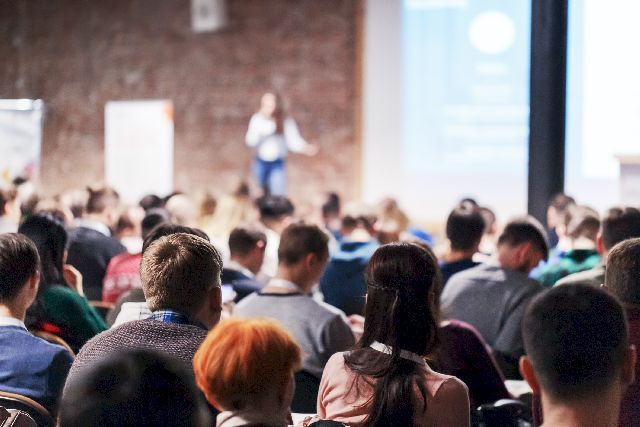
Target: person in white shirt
[273, 134]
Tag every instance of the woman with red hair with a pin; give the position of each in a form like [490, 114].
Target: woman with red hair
[245, 369]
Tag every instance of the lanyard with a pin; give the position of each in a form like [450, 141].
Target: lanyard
[383, 348]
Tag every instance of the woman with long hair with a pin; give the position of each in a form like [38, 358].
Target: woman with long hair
[58, 308]
[386, 380]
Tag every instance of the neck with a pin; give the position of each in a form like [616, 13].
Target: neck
[456, 255]
[9, 311]
[292, 275]
[601, 410]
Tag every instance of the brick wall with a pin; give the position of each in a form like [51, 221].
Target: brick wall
[77, 55]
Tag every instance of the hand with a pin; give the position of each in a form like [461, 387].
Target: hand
[356, 322]
[310, 150]
[73, 278]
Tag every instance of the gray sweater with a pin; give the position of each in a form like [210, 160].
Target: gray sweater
[320, 329]
[179, 341]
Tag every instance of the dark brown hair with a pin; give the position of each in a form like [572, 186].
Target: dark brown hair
[18, 262]
[401, 312]
[300, 239]
[622, 276]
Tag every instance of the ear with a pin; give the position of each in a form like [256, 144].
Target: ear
[628, 372]
[215, 299]
[310, 260]
[34, 281]
[600, 244]
[526, 369]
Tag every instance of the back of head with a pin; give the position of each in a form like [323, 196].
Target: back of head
[619, 224]
[153, 217]
[401, 308]
[18, 262]
[576, 339]
[331, 205]
[402, 312]
[242, 361]
[134, 388]
[177, 272]
[300, 239]
[525, 230]
[274, 207]
[584, 223]
[50, 237]
[243, 239]
[183, 209]
[559, 205]
[151, 201]
[101, 200]
[465, 227]
[622, 276]
[169, 229]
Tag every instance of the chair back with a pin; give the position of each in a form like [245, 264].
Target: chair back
[15, 418]
[503, 413]
[306, 393]
[40, 415]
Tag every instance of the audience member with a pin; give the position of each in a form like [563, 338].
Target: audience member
[386, 380]
[92, 246]
[342, 284]
[578, 356]
[505, 287]
[245, 369]
[275, 214]
[558, 207]
[181, 281]
[618, 224]
[465, 227]
[128, 228]
[246, 247]
[151, 201]
[320, 329]
[490, 235]
[132, 304]
[123, 271]
[623, 281]
[331, 214]
[58, 308]
[29, 365]
[134, 388]
[9, 211]
[183, 210]
[580, 251]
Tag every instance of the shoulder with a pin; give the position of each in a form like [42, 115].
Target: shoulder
[446, 387]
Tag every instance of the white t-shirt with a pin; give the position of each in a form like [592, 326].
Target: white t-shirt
[270, 145]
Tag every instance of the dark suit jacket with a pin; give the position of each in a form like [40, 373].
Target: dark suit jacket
[32, 367]
[242, 284]
[90, 252]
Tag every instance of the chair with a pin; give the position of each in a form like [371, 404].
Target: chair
[15, 418]
[53, 339]
[40, 415]
[306, 393]
[502, 413]
[102, 307]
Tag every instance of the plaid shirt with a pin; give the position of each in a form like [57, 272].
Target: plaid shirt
[170, 316]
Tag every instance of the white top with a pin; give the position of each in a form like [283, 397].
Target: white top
[270, 145]
[11, 321]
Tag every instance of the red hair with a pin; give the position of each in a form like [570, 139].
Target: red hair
[243, 358]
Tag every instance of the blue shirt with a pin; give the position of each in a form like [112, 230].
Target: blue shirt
[32, 367]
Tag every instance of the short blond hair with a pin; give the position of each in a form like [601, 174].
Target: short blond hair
[241, 359]
[177, 271]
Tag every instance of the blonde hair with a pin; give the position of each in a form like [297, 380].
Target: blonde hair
[241, 359]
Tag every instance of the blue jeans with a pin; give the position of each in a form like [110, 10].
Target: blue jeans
[271, 176]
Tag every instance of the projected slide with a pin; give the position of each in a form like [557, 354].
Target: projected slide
[466, 79]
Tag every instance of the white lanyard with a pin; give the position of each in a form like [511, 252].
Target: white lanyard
[383, 348]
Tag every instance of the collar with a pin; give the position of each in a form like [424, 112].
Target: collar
[12, 321]
[283, 284]
[93, 225]
[170, 316]
[235, 266]
[409, 355]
